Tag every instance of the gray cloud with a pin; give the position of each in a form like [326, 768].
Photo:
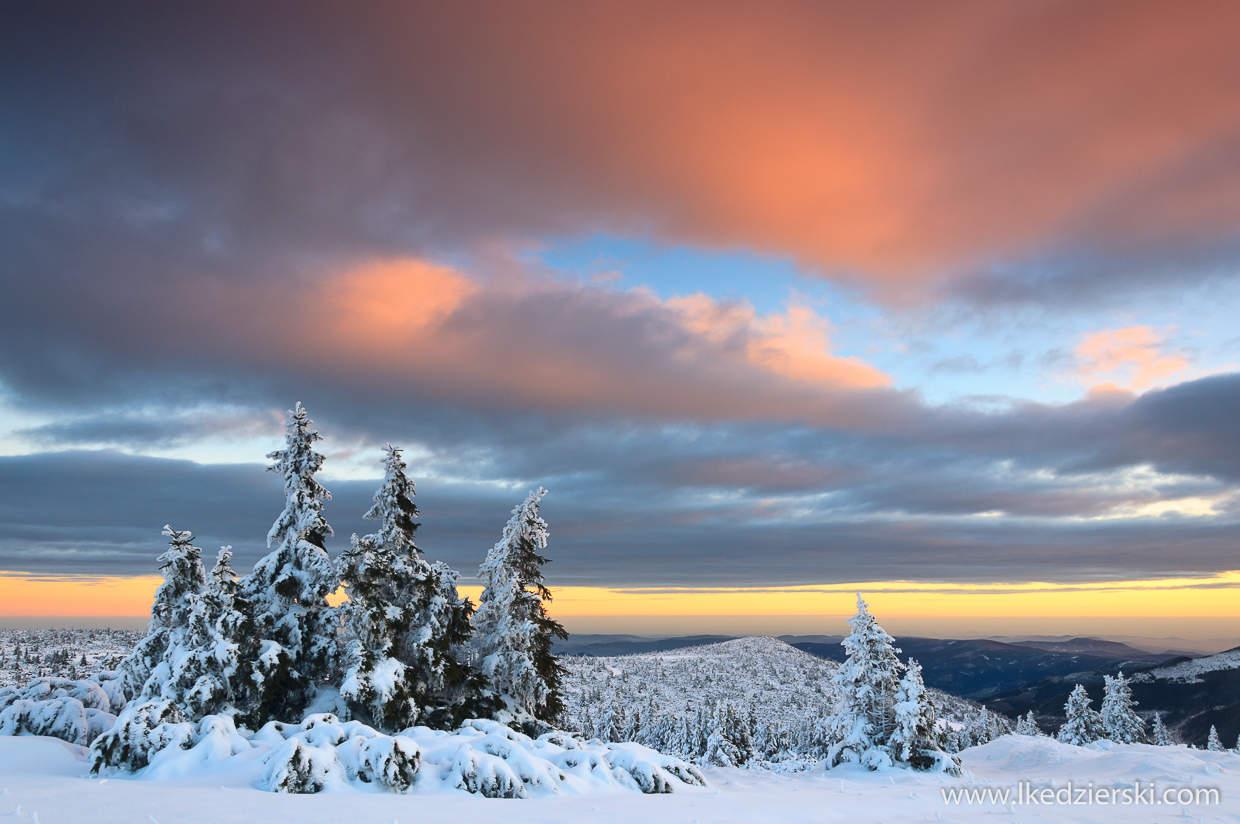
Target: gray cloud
[174, 180]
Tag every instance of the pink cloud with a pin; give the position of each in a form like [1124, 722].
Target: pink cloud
[1134, 358]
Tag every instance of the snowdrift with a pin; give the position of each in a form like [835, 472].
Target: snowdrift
[42, 781]
[324, 753]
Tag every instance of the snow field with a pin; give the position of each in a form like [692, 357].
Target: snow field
[45, 781]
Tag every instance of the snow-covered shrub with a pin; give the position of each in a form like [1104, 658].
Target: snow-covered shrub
[139, 732]
[391, 761]
[77, 711]
[62, 717]
[645, 770]
[485, 774]
[296, 767]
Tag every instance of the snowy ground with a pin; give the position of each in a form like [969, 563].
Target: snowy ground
[41, 781]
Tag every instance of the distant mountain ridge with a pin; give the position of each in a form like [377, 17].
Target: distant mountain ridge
[1100, 648]
[1192, 694]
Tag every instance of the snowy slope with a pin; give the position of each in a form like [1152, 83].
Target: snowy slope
[1190, 672]
[42, 783]
[779, 696]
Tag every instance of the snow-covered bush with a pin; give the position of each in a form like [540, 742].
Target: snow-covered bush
[77, 711]
[63, 718]
[296, 767]
[391, 761]
[324, 753]
[139, 732]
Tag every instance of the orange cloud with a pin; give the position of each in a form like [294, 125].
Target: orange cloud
[545, 344]
[388, 300]
[795, 344]
[901, 141]
[1135, 358]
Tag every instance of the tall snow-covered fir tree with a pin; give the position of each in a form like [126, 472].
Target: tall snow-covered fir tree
[1082, 725]
[1159, 734]
[1213, 744]
[404, 621]
[225, 647]
[288, 589]
[514, 632]
[146, 670]
[1119, 720]
[917, 739]
[867, 681]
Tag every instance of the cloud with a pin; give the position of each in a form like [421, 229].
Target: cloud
[631, 538]
[1134, 357]
[1010, 152]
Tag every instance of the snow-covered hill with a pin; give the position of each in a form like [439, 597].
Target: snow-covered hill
[771, 700]
[1190, 672]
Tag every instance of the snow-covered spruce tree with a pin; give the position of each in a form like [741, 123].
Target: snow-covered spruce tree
[917, 739]
[513, 629]
[288, 589]
[404, 621]
[1027, 725]
[218, 674]
[1119, 720]
[146, 670]
[1082, 724]
[1159, 734]
[867, 683]
[1213, 744]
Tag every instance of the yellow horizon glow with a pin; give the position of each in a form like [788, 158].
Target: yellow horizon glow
[1212, 596]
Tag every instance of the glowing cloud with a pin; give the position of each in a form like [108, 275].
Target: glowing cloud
[1135, 358]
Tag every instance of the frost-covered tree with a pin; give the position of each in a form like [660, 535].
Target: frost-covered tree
[201, 667]
[218, 674]
[867, 682]
[404, 621]
[1082, 724]
[514, 632]
[1159, 734]
[1119, 720]
[1213, 744]
[917, 739]
[1027, 725]
[146, 670]
[288, 589]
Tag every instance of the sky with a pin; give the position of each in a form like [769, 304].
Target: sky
[779, 300]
